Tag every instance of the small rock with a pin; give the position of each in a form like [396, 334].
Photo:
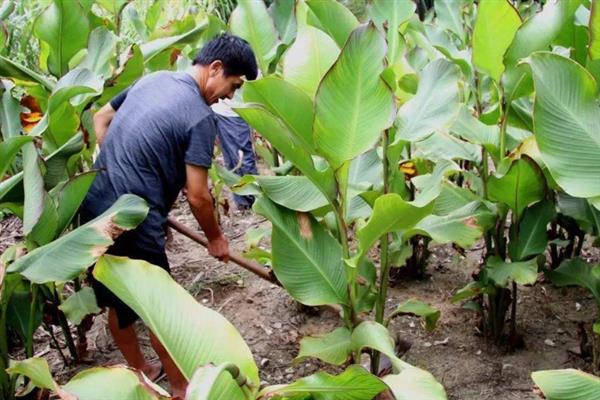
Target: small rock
[576, 350]
[411, 324]
[441, 342]
[277, 325]
[289, 376]
[268, 331]
[506, 366]
[549, 342]
[560, 331]
[264, 362]
[427, 344]
[205, 301]
[478, 352]
[577, 306]
[239, 282]
[264, 383]
[289, 370]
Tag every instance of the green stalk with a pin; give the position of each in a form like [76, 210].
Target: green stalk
[503, 119]
[32, 307]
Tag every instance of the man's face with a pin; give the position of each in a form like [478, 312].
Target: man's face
[220, 86]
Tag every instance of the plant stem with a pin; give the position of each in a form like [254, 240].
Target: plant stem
[64, 325]
[30, 322]
[503, 120]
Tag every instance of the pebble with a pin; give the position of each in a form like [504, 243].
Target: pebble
[427, 344]
[289, 376]
[411, 324]
[549, 342]
[277, 325]
[441, 342]
[478, 352]
[577, 306]
[264, 362]
[560, 330]
[289, 370]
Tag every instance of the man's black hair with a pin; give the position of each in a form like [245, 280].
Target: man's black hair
[235, 53]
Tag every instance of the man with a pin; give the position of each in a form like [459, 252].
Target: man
[235, 137]
[157, 137]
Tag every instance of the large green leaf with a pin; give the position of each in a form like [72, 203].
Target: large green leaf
[391, 14]
[390, 213]
[449, 16]
[251, 21]
[333, 18]
[288, 144]
[69, 197]
[353, 104]
[501, 272]
[9, 149]
[287, 102]
[452, 198]
[566, 121]
[470, 128]
[155, 47]
[63, 27]
[419, 309]
[567, 384]
[521, 186]
[586, 216]
[594, 45]
[434, 106]
[80, 304]
[429, 186]
[309, 58]
[101, 48]
[532, 238]
[10, 123]
[293, 192]
[36, 369]
[442, 146]
[83, 245]
[576, 272]
[210, 382]
[332, 348]
[495, 27]
[101, 383]
[463, 226]
[355, 383]
[306, 259]
[194, 335]
[415, 383]
[283, 13]
[13, 70]
[130, 71]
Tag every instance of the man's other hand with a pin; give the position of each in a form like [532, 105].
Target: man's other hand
[219, 248]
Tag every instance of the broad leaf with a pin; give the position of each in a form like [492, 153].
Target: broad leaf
[434, 106]
[283, 13]
[306, 259]
[470, 128]
[353, 104]
[101, 47]
[286, 142]
[501, 272]
[594, 29]
[293, 192]
[101, 383]
[566, 117]
[463, 226]
[353, 384]
[452, 198]
[449, 16]
[251, 21]
[521, 186]
[576, 272]
[9, 149]
[79, 305]
[495, 27]
[13, 70]
[10, 122]
[287, 102]
[567, 384]
[210, 382]
[155, 47]
[332, 17]
[415, 383]
[392, 14]
[63, 27]
[36, 369]
[130, 71]
[532, 238]
[332, 348]
[419, 309]
[309, 58]
[83, 245]
[586, 216]
[69, 197]
[441, 146]
[390, 213]
[194, 335]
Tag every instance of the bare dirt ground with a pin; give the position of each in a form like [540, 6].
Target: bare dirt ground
[273, 324]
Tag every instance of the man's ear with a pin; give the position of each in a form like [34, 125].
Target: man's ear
[215, 68]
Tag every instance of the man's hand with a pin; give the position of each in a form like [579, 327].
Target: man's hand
[219, 248]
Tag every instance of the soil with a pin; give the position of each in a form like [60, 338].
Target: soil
[273, 324]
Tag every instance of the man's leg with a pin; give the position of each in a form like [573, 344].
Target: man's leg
[129, 345]
[176, 379]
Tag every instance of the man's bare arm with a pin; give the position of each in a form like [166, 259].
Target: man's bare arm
[201, 203]
[102, 120]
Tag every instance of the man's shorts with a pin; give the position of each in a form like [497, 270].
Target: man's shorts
[127, 246]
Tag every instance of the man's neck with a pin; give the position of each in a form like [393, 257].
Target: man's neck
[200, 75]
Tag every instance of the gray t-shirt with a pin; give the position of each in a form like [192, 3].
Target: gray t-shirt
[162, 124]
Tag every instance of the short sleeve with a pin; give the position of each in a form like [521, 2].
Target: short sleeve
[118, 100]
[201, 143]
